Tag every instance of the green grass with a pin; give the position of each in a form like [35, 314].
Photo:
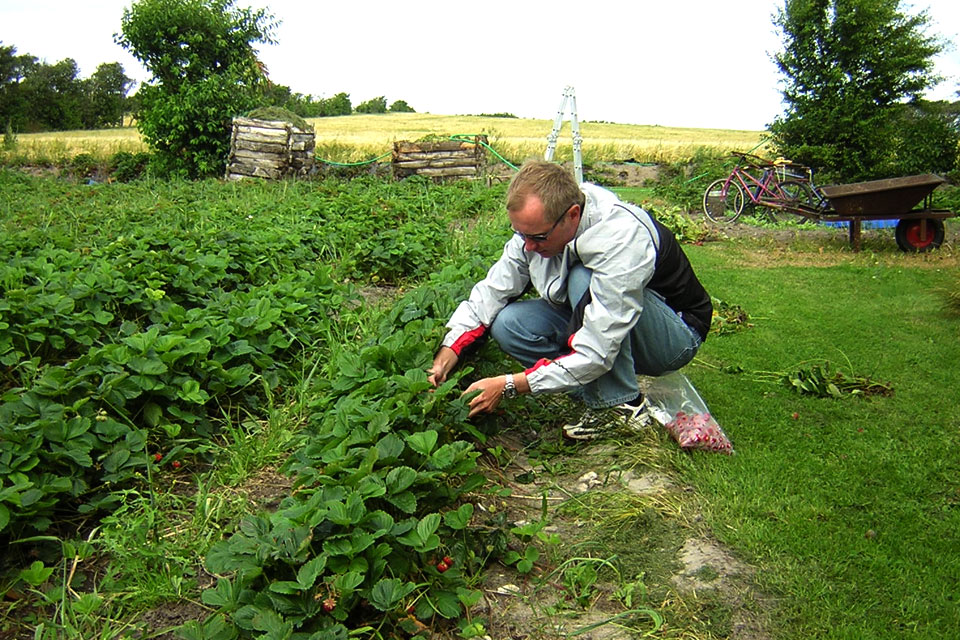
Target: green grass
[850, 510]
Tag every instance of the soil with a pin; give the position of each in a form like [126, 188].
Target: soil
[683, 566]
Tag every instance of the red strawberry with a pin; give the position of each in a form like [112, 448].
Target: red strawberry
[442, 566]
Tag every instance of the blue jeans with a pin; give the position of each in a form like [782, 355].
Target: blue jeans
[659, 343]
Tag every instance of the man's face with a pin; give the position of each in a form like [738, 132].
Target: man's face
[530, 220]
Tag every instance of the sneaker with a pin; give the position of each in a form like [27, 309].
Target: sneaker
[597, 423]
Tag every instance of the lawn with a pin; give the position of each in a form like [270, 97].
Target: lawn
[846, 507]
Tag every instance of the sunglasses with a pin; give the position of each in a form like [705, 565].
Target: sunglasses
[542, 237]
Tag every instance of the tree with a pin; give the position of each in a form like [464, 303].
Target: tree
[849, 68]
[107, 93]
[12, 106]
[401, 106]
[373, 105]
[928, 138]
[338, 105]
[204, 68]
[54, 96]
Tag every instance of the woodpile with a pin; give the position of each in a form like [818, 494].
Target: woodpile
[440, 159]
[270, 149]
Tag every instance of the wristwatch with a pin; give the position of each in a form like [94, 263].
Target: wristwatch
[509, 388]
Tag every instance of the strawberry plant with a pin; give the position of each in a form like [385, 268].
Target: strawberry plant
[379, 524]
[131, 327]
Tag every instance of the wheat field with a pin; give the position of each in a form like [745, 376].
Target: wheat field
[358, 138]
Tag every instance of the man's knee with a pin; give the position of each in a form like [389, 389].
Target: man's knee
[505, 325]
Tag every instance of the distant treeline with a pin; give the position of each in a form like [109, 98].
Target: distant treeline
[36, 96]
[307, 106]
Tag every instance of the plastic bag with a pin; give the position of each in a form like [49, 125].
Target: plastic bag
[676, 405]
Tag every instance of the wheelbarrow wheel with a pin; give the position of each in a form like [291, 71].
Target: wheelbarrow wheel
[911, 237]
[722, 202]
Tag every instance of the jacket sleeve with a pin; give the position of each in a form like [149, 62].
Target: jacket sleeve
[621, 254]
[506, 279]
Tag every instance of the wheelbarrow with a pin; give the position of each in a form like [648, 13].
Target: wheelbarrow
[918, 228]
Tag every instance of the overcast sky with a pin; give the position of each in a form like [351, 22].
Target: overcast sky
[689, 63]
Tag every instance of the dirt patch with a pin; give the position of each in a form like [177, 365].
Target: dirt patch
[658, 568]
[165, 620]
[267, 487]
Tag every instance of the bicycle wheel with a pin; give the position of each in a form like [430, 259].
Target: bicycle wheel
[723, 202]
[799, 194]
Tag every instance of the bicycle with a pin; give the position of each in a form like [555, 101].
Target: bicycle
[779, 185]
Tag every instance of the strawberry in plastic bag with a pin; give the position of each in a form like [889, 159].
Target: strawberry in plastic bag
[675, 404]
[698, 431]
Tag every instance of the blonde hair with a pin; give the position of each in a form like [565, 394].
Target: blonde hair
[553, 185]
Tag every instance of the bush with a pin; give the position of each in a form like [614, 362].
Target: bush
[374, 105]
[204, 72]
[9, 138]
[125, 166]
[84, 165]
[401, 106]
[683, 183]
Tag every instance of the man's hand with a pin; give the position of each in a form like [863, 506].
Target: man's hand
[491, 392]
[443, 363]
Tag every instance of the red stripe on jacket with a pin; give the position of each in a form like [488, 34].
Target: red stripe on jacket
[467, 339]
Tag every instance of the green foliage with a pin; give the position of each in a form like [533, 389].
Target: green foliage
[205, 71]
[401, 106]
[125, 166]
[683, 183]
[848, 68]
[373, 105]
[83, 165]
[9, 138]
[685, 228]
[36, 96]
[926, 138]
[376, 527]
[822, 380]
[107, 90]
[128, 327]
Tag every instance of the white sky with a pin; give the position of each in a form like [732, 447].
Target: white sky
[691, 63]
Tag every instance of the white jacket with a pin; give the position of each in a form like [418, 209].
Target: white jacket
[620, 243]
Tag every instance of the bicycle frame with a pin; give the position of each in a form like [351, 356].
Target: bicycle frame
[765, 190]
[779, 185]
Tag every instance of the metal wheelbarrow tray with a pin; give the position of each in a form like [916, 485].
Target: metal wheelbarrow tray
[918, 229]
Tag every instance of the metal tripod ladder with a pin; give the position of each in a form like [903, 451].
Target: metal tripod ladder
[568, 96]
